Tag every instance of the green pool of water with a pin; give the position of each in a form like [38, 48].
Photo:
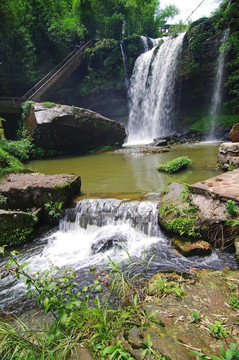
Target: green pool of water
[127, 172]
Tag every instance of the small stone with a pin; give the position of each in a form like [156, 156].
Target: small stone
[191, 248]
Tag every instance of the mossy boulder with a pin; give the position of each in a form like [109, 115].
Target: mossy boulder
[34, 190]
[192, 248]
[16, 227]
[32, 200]
[199, 212]
[71, 129]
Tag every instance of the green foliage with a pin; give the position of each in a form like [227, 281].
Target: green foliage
[20, 149]
[178, 164]
[101, 59]
[199, 31]
[8, 163]
[49, 104]
[195, 316]
[26, 107]
[78, 317]
[159, 286]
[204, 123]
[182, 221]
[231, 208]
[54, 210]
[218, 330]
[182, 227]
[227, 18]
[232, 353]
[234, 300]
[3, 199]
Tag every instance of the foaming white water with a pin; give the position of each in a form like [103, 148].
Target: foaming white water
[152, 92]
[92, 232]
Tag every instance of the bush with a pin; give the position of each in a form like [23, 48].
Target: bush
[20, 149]
[8, 163]
[175, 165]
[231, 208]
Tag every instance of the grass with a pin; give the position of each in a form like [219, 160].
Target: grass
[204, 124]
[78, 316]
[176, 165]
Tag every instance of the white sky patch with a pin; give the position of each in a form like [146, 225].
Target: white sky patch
[186, 7]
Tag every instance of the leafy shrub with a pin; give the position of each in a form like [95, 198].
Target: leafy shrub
[175, 165]
[54, 210]
[20, 149]
[8, 163]
[183, 226]
[231, 208]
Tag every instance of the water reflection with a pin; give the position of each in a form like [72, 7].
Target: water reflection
[127, 171]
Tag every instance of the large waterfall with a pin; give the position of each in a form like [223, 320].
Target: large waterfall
[152, 92]
[218, 88]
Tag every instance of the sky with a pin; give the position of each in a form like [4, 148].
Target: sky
[187, 6]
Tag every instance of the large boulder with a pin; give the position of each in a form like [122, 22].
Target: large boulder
[33, 190]
[72, 129]
[30, 201]
[199, 213]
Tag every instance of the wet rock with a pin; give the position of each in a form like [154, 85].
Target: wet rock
[234, 133]
[16, 227]
[237, 246]
[81, 353]
[105, 243]
[72, 129]
[135, 338]
[200, 210]
[192, 248]
[228, 155]
[27, 191]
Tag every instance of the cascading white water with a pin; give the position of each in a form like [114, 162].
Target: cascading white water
[148, 43]
[152, 92]
[218, 88]
[96, 230]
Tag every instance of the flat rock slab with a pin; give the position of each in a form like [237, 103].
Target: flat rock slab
[224, 186]
[25, 191]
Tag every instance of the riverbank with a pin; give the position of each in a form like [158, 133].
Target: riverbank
[170, 317]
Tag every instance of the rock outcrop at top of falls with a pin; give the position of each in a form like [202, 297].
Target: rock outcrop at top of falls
[31, 198]
[71, 129]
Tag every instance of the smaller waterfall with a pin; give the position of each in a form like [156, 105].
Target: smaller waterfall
[152, 92]
[148, 43]
[218, 88]
[99, 229]
[125, 64]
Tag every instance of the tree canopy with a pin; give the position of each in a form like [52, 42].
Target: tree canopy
[36, 34]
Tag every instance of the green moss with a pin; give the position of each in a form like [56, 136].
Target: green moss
[22, 231]
[178, 164]
[48, 104]
[204, 123]
[26, 107]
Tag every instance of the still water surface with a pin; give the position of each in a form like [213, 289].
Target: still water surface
[128, 172]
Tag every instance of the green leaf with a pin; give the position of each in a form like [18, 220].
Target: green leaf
[109, 350]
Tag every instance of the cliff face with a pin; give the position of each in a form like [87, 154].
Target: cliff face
[197, 71]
